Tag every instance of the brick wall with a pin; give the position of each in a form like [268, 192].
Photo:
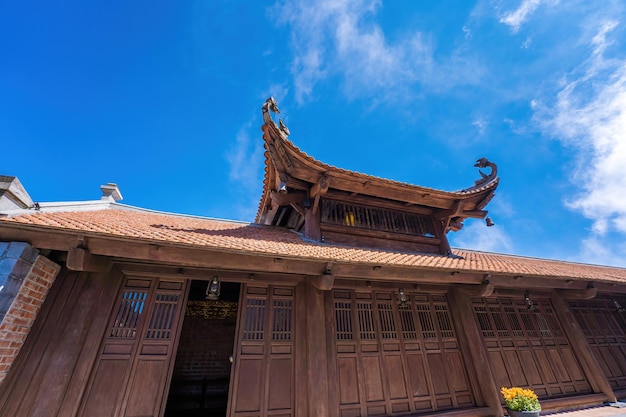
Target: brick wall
[25, 278]
[205, 345]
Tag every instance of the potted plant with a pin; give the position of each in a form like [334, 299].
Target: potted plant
[521, 402]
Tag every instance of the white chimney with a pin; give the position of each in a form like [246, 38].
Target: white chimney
[110, 192]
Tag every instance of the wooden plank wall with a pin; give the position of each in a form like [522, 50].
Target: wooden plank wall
[51, 372]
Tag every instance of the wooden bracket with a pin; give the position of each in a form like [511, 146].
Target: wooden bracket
[80, 259]
[319, 189]
[572, 294]
[325, 281]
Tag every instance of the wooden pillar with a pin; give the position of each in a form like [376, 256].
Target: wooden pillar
[312, 224]
[578, 342]
[472, 345]
[317, 358]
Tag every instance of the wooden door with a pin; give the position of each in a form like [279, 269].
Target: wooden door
[131, 374]
[395, 358]
[264, 379]
[527, 347]
[603, 323]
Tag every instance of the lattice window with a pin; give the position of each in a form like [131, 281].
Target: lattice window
[366, 321]
[254, 319]
[443, 319]
[129, 310]
[343, 321]
[387, 323]
[483, 321]
[529, 325]
[281, 329]
[407, 322]
[344, 214]
[426, 321]
[513, 321]
[163, 316]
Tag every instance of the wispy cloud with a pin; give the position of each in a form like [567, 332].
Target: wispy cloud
[589, 115]
[519, 16]
[477, 236]
[245, 158]
[342, 38]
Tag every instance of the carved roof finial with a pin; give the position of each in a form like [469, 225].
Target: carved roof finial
[484, 178]
[269, 105]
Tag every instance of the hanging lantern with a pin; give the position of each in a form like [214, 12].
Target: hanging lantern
[402, 297]
[213, 289]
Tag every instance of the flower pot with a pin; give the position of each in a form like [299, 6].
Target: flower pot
[523, 413]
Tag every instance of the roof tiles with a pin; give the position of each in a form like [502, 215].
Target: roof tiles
[274, 241]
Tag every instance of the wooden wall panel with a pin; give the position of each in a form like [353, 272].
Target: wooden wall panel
[396, 358]
[138, 348]
[528, 348]
[104, 403]
[264, 369]
[604, 329]
[50, 375]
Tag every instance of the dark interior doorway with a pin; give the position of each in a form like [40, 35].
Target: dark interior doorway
[201, 373]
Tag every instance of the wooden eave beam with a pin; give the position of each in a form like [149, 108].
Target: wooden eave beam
[378, 202]
[571, 294]
[79, 259]
[293, 197]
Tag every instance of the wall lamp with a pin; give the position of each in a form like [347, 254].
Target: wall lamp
[529, 303]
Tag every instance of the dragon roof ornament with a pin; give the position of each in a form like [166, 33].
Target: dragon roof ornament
[270, 105]
[484, 178]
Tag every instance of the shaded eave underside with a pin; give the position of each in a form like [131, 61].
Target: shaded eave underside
[282, 156]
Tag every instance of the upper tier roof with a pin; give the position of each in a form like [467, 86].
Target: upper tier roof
[284, 162]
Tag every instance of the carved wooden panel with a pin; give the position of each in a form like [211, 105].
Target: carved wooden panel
[527, 347]
[133, 367]
[396, 358]
[603, 322]
[263, 382]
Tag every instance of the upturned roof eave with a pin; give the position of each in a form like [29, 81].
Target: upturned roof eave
[284, 158]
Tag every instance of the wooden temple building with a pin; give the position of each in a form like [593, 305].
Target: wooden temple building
[342, 299]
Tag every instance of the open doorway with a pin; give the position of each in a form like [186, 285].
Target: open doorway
[201, 374]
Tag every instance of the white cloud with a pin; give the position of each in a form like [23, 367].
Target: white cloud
[518, 17]
[480, 124]
[477, 236]
[589, 115]
[333, 37]
[245, 158]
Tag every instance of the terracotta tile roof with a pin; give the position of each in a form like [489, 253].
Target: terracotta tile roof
[272, 241]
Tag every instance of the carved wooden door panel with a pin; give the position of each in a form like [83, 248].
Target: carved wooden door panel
[527, 347]
[604, 324]
[263, 382]
[395, 358]
[132, 371]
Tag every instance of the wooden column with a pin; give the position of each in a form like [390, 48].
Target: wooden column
[472, 345]
[317, 358]
[312, 224]
[578, 342]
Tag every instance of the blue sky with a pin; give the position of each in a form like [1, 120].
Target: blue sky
[164, 97]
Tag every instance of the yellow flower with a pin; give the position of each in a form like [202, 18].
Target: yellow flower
[520, 399]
